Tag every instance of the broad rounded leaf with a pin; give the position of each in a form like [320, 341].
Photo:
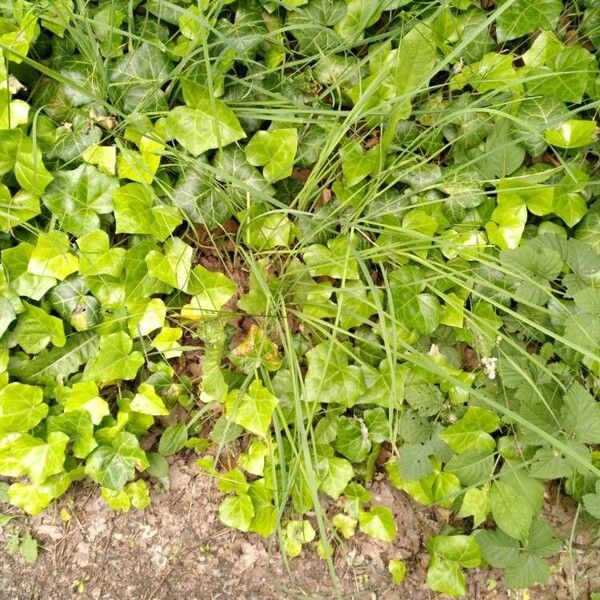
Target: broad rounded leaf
[512, 514]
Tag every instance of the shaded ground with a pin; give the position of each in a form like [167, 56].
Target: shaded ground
[178, 549]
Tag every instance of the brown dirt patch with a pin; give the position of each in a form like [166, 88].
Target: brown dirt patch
[178, 549]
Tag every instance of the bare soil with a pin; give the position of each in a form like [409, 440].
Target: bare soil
[177, 548]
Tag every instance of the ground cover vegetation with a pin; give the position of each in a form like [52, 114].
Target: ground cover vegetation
[375, 224]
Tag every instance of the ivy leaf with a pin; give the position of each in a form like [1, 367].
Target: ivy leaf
[334, 474]
[7, 315]
[51, 256]
[16, 260]
[274, 150]
[78, 426]
[589, 28]
[494, 72]
[145, 316]
[397, 569]
[358, 164]
[22, 207]
[378, 522]
[97, 257]
[72, 302]
[330, 378]
[213, 387]
[253, 460]
[104, 157]
[359, 15]
[114, 359]
[140, 166]
[264, 521]
[33, 498]
[85, 396]
[521, 18]
[384, 386]
[356, 304]
[137, 211]
[507, 224]
[173, 265]
[36, 329]
[344, 524]
[256, 350]
[233, 481]
[352, 439]
[472, 431]
[19, 153]
[135, 279]
[21, 407]
[77, 197]
[503, 154]
[240, 178]
[209, 124]
[148, 402]
[573, 133]
[377, 424]
[295, 535]
[113, 466]
[476, 504]
[311, 26]
[565, 76]
[210, 292]
[408, 67]
[336, 260]
[536, 116]
[264, 229]
[462, 549]
[253, 409]
[138, 74]
[588, 229]
[422, 312]
[133, 494]
[199, 199]
[12, 112]
[167, 342]
[35, 458]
